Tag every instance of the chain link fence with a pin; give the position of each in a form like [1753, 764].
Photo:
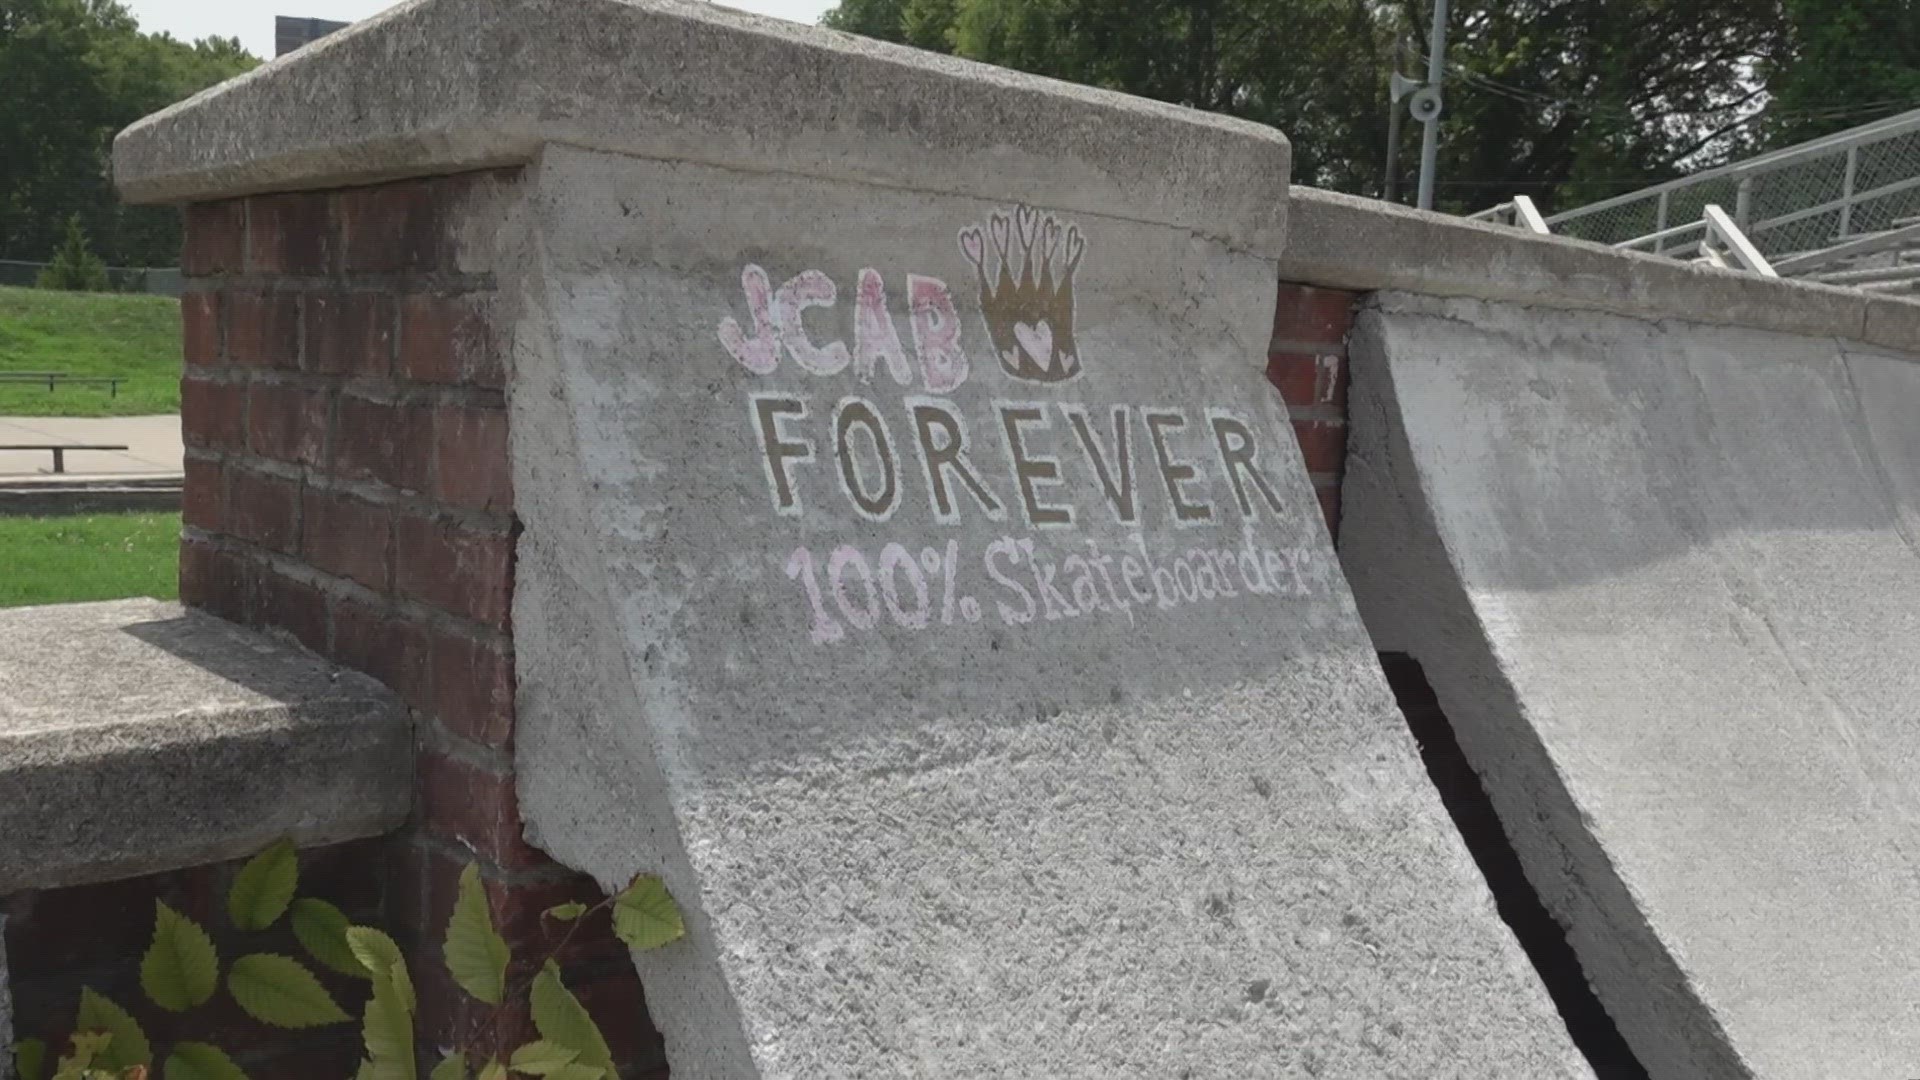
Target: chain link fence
[1791, 202]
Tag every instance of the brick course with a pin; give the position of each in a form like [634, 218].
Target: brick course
[1307, 363]
[347, 486]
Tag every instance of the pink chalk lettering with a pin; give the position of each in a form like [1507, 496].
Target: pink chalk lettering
[760, 353]
[825, 630]
[874, 336]
[936, 333]
[809, 288]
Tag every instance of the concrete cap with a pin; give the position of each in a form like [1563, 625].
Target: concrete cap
[137, 736]
[1340, 241]
[437, 86]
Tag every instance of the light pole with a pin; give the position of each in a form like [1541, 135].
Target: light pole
[1426, 104]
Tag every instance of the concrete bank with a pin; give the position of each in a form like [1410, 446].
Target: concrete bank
[913, 565]
[1663, 577]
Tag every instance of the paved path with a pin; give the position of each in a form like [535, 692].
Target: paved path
[152, 442]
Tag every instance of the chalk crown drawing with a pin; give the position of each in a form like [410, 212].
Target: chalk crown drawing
[1026, 291]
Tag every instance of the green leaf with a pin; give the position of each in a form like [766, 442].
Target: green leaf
[493, 1071]
[87, 1046]
[264, 887]
[181, 969]
[364, 1072]
[565, 912]
[450, 1068]
[199, 1061]
[577, 1071]
[129, 1046]
[387, 1030]
[277, 990]
[561, 1019]
[542, 1058]
[379, 956]
[476, 955]
[645, 916]
[30, 1060]
[322, 930]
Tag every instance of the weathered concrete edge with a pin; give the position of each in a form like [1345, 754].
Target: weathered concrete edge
[435, 86]
[1412, 600]
[1340, 241]
[138, 736]
[330, 797]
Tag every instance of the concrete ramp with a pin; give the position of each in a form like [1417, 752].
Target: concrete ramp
[994, 705]
[1664, 579]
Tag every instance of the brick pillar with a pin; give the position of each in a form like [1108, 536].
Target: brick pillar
[347, 485]
[1307, 362]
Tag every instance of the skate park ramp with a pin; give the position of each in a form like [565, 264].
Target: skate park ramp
[990, 768]
[1664, 579]
[919, 573]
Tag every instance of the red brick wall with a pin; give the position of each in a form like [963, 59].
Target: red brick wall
[93, 936]
[1307, 362]
[347, 485]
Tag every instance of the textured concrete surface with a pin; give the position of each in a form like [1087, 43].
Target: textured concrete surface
[1665, 581]
[153, 446]
[6, 1009]
[137, 736]
[1341, 241]
[436, 86]
[1055, 798]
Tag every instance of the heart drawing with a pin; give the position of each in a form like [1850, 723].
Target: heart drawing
[1025, 260]
[1037, 341]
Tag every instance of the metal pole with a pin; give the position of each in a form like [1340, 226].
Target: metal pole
[1853, 176]
[1392, 186]
[1436, 71]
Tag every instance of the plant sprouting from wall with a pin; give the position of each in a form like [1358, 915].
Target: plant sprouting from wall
[181, 972]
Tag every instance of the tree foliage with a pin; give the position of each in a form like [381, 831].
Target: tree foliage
[1849, 62]
[75, 72]
[75, 268]
[1566, 100]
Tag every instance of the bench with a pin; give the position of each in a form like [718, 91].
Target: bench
[59, 378]
[59, 450]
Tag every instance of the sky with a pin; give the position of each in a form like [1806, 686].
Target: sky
[252, 22]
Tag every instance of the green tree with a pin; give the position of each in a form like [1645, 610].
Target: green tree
[88, 72]
[1564, 99]
[1572, 101]
[1313, 68]
[75, 267]
[1848, 62]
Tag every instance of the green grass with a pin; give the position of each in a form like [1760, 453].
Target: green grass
[118, 334]
[63, 560]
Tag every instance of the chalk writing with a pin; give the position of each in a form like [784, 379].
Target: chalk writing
[1055, 467]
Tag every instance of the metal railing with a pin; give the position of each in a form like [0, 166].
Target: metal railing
[1715, 239]
[1843, 209]
[1520, 213]
[1795, 202]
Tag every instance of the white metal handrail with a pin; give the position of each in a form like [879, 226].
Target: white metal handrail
[1849, 142]
[1830, 205]
[1892, 240]
[1521, 212]
[1724, 240]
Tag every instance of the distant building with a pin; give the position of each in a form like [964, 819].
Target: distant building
[290, 33]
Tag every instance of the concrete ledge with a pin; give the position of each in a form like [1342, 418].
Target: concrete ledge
[1340, 241]
[89, 495]
[437, 86]
[139, 736]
